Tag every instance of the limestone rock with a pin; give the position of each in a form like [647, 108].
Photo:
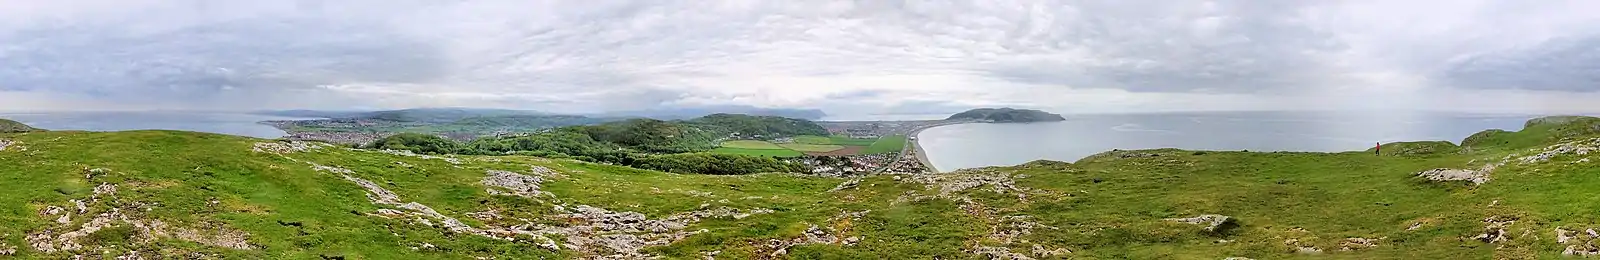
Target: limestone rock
[1213, 222]
[1479, 176]
[375, 193]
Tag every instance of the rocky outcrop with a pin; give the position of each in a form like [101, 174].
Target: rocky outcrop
[1359, 243]
[1581, 147]
[103, 210]
[7, 250]
[1494, 230]
[1479, 176]
[288, 147]
[517, 184]
[451, 160]
[6, 143]
[1213, 222]
[830, 235]
[1297, 247]
[1578, 243]
[593, 231]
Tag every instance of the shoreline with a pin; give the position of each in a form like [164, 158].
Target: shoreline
[914, 144]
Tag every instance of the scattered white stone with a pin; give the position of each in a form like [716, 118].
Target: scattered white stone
[1563, 235]
[329, 169]
[287, 147]
[7, 250]
[375, 193]
[1494, 230]
[852, 183]
[1479, 176]
[451, 160]
[1358, 243]
[1581, 147]
[1581, 250]
[1212, 221]
[518, 184]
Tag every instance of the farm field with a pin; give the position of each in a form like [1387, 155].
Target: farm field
[887, 144]
[758, 152]
[841, 140]
[811, 147]
[752, 144]
[812, 139]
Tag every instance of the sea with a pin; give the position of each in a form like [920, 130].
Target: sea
[977, 145]
[240, 124]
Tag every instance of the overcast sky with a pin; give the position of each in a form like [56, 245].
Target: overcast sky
[845, 57]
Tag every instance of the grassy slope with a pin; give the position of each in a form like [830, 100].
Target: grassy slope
[1108, 206]
[8, 126]
[887, 144]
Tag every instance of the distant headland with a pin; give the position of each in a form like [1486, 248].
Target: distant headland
[8, 126]
[1007, 115]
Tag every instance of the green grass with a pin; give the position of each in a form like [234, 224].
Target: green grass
[842, 140]
[751, 144]
[887, 144]
[811, 147]
[1107, 206]
[812, 139]
[759, 152]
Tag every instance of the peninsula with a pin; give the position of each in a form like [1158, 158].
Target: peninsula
[1007, 115]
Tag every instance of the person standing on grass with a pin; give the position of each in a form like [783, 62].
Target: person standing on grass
[1377, 149]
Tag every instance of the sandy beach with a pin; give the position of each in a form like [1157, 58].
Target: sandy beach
[916, 146]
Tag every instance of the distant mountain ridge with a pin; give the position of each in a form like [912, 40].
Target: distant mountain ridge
[694, 112]
[1007, 115]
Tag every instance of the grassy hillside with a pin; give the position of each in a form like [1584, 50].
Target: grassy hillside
[8, 126]
[165, 194]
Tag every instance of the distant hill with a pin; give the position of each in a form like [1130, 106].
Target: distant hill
[693, 112]
[442, 115]
[750, 125]
[1007, 115]
[8, 126]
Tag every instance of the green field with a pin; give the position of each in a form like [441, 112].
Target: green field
[887, 144]
[752, 144]
[812, 147]
[841, 140]
[812, 139]
[758, 152]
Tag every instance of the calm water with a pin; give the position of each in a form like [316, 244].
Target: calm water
[977, 145]
[222, 123]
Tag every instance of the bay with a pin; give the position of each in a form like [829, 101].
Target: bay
[210, 122]
[978, 145]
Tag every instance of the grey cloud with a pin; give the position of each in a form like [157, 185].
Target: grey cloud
[204, 60]
[1562, 64]
[907, 56]
[1235, 46]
